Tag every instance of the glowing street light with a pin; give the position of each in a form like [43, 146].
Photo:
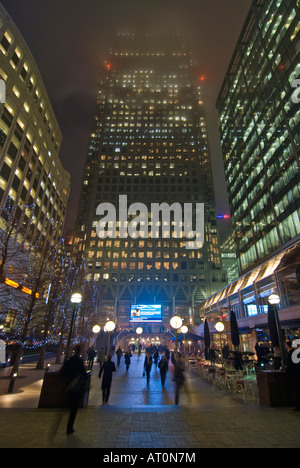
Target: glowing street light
[96, 329]
[274, 301]
[109, 327]
[176, 323]
[75, 299]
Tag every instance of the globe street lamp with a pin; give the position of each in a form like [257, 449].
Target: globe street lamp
[139, 331]
[184, 329]
[96, 330]
[220, 327]
[274, 301]
[76, 299]
[176, 323]
[109, 327]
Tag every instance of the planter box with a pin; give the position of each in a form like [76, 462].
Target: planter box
[53, 393]
[275, 389]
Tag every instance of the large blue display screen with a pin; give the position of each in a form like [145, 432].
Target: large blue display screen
[145, 313]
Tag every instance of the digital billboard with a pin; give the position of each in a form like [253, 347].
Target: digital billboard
[145, 313]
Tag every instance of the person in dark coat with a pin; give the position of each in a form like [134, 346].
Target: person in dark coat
[179, 377]
[163, 367]
[107, 370]
[148, 365]
[91, 356]
[127, 358]
[119, 354]
[74, 373]
[238, 360]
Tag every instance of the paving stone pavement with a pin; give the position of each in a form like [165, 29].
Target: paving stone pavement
[141, 416]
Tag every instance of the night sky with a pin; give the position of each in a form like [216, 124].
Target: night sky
[70, 40]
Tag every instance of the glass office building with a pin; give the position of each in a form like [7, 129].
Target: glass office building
[260, 132]
[149, 142]
[31, 173]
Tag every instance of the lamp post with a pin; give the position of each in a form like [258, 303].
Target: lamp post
[220, 327]
[96, 330]
[76, 299]
[176, 323]
[184, 329]
[139, 331]
[109, 327]
[274, 300]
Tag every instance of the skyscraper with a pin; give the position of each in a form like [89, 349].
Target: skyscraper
[260, 131]
[149, 143]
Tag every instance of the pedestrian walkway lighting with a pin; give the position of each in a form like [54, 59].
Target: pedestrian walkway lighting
[176, 323]
[220, 327]
[96, 329]
[75, 299]
[184, 329]
[109, 327]
[274, 299]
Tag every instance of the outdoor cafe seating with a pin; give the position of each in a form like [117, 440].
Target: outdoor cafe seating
[223, 376]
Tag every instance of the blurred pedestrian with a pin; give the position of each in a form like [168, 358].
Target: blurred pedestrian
[101, 356]
[74, 373]
[128, 356]
[91, 356]
[119, 354]
[148, 365]
[155, 357]
[238, 360]
[163, 367]
[107, 370]
[179, 377]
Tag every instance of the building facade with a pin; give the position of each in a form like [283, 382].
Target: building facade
[34, 186]
[149, 142]
[260, 132]
[31, 173]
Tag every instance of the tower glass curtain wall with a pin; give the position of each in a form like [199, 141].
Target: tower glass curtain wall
[31, 173]
[149, 142]
[260, 131]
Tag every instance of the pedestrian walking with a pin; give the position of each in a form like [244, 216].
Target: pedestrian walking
[74, 373]
[163, 367]
[101, 356]
[91, 356]
[107, 370]
[179, 377]
[128, 356]
[119, 354]
[148, 365]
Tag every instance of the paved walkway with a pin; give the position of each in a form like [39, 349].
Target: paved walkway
[141, 416]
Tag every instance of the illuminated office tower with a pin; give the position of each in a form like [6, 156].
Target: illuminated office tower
[149, 142]
[260, 131]
[31, 173]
